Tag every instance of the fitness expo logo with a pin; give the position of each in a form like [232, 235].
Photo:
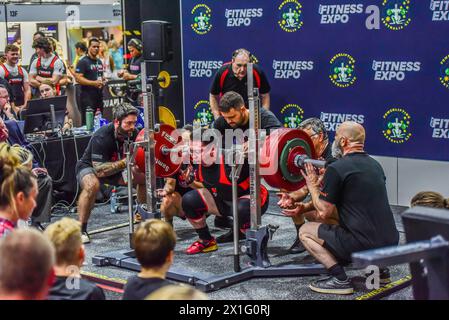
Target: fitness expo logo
[290, 16]
[202, 113]
[342, 70]
[292, 114]
[333, 120]
[440, 128]
[200, 69]
[201, 16]
[444, 71]
[394, 70]
[291, 69]
[242, 17]
[338, 13]
[396, 14]
[397, 126]
[440, 10]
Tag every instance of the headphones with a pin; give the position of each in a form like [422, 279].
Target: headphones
[136, 43]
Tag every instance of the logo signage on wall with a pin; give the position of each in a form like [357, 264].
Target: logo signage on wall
[397, 126]
[396, 14]
[342, 70]
[394, 70]
[444, 71]
[440, 128]
[338, 13]
[202, 113]
[440, 10]
[291, 69]
[292, 115]
[201, 19]
[333, 120]
[339, 60]
[203, 68]
[290, 16]
[242, 17]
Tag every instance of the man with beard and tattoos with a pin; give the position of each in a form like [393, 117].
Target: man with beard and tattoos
[104, 162]
[355, 186]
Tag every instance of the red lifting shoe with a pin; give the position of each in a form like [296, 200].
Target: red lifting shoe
[202, 246]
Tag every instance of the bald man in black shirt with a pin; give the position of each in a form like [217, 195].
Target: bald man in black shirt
[355, 186]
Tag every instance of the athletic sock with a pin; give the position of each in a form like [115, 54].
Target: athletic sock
[338, 272]
[204, 233]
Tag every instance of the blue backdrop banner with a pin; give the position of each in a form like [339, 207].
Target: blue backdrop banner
[382, 63]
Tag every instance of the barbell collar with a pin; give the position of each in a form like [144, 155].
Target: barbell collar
[301, 160]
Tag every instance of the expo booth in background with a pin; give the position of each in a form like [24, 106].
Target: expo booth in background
[67, 24]
[382, 63]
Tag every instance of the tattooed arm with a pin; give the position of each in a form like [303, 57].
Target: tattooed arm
[106, 169]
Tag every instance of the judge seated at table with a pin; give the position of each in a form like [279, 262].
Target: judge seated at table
[48, 90]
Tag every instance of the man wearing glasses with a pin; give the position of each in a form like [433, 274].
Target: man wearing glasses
[104, 162]
[298, 204]
[232, 77]
[6, 110]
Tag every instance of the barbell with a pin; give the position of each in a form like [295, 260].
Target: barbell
[282, 156]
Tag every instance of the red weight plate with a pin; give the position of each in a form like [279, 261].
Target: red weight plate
[166, 163]
[270, 154]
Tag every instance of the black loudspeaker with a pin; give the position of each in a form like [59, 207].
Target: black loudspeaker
[157, 41]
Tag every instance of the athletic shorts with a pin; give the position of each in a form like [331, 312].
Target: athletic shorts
[339, 242]
[113, 180]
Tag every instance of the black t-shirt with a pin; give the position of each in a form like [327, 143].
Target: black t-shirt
[85, 291]
[355, 184]
[137, 288]
[91, 69]
[232, 83]
[134, 65]
[103, 147]
[268, 121]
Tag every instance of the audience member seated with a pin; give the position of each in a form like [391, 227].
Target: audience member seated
[18, 188]
[6, 110]
[173, 292]
[430, 199]
[65, 235]
[47, 90]
[26, 266]
[154, 243]
[11, 134]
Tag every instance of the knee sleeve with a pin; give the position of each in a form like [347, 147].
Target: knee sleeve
[194, 205]
[243, 209]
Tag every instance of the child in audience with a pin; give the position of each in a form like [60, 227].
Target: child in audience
[154, 244]
[65, 235]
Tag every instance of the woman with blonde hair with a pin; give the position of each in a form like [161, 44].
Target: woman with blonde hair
[106, 60]
[430, 199]
[65, 235]
[18, 187]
